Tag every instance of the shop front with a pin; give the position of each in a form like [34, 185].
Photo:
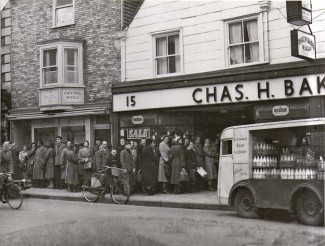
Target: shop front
[75, 126]
[205, 104]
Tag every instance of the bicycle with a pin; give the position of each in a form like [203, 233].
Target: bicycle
[104, 181]
[11, 192]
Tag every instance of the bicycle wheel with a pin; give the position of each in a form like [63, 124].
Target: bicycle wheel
[14, 196]
[91, 189]
[120, 191]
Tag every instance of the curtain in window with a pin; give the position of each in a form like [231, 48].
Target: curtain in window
[71, 66]
[161, 50]
[253, 36]
[235, 36]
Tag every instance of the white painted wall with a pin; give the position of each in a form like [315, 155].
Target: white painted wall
[202, 28]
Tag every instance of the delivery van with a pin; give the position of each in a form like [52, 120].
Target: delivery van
[274, 165]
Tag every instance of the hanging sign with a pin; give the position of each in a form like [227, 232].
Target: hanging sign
[299, 12]
[303, 45]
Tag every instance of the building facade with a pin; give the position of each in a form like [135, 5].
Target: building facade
[65, 55]
[197, 67]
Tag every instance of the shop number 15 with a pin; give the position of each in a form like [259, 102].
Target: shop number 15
[130, 101]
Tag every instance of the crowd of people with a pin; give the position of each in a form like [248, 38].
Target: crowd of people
[149, 166]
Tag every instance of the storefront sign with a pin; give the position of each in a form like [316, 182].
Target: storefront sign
[137, 120]
[303, 45]
[58, 96]
[299, 12]
[72, 95]
[280, 110]
[137, 133]
[218, 93]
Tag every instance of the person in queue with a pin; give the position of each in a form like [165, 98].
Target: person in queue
[72, 168]
[191, 165]
[128, 165]
[210, 157]
[58, 172]
[39, 165]
[149, 167]
[177, 163]
[85, 156]
[23, 160]
[102, 156]
[31, 155]
[63, 162]
[114, 160]
[164, 164]
[6, 163]
[121, 146]
[50, 162]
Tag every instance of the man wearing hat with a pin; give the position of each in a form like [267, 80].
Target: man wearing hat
[128, 164]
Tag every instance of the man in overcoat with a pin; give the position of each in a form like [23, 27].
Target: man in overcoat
[128, 165]
[63, 163]
[6, 163]
[102, 156]
[58, 182]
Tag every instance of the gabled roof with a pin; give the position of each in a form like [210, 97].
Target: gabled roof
[129, 10]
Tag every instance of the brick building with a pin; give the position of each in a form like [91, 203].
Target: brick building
[5, 67]
[65, 55]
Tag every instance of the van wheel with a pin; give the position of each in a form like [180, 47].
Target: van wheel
[245, 204]
[309, 209]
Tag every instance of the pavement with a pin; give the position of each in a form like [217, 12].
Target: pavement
[200, 200]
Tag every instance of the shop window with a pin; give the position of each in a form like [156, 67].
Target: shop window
[226, 147]
[63, 12]
[244, 41]
[61, 63]
[75, 134]
[167, 54]
[47, 135]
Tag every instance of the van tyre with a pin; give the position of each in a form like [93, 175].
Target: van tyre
[310, 210]
[245, 204]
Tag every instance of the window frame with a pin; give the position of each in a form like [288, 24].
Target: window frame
[54, 25]
[154, 47]
[60, 46]
[261, 30]
[222, 142]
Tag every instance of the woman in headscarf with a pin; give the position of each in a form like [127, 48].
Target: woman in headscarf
[178, 162]
[164, 164]
[72, 175]
[210, 156]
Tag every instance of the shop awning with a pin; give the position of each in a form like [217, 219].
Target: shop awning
[13, 116]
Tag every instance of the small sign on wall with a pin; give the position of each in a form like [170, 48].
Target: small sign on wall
[299, 12]
[303, 45]
[138, 133]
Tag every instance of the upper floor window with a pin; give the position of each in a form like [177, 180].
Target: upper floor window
[63, 12]
[167, 54]
[244, 41]
[61, 63]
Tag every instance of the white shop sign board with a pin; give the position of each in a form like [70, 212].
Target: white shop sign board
[260, 90]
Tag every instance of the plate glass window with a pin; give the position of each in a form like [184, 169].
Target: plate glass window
[167, 54]
[243, 42]
[64, 12]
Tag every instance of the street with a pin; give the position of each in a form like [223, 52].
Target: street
[54, 222]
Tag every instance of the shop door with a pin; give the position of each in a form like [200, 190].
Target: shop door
[225, 176]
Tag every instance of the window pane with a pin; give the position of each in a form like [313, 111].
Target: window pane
[235, 33]
[226, 147]
[161, 65]
[50, 75]
[251, 52]
[250, 31]
[49, 57]
[161, 46]
[173, 64]
[64, 15]
[70, 57]
[63, 2]
[236, 54]
[173, 44]
[71, 74]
